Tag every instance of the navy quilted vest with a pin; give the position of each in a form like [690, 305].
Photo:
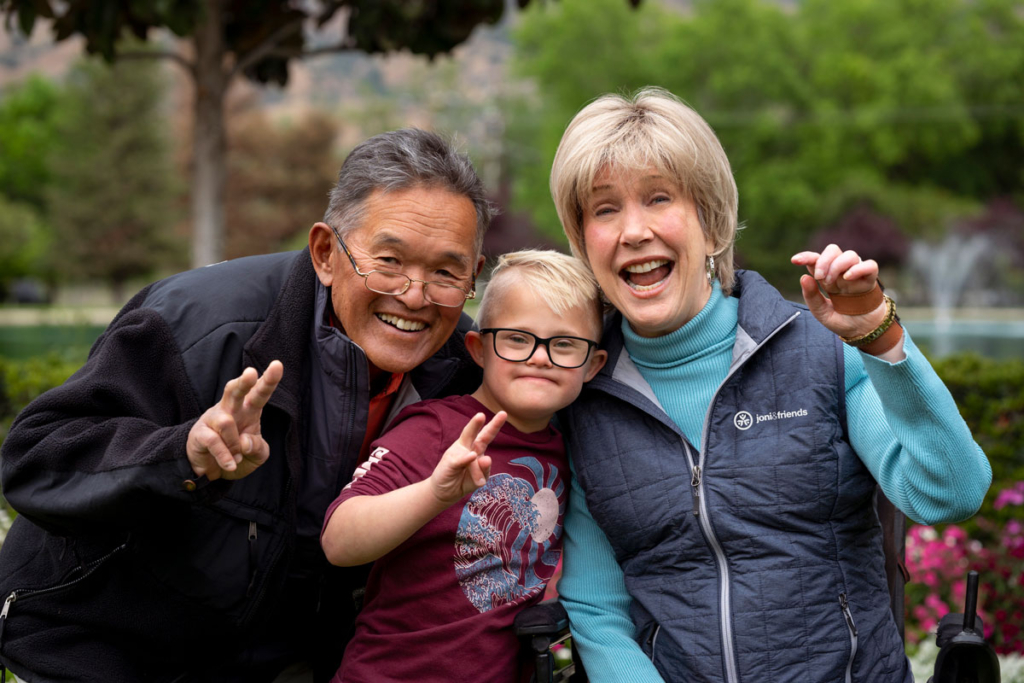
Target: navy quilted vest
[755, 556]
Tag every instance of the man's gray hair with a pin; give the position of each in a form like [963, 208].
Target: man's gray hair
[400, 160]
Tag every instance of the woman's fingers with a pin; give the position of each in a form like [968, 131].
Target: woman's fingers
[835, 269]
[840, 264]
[824, 262]
[865, 270]
[805, 258]
[815, 300]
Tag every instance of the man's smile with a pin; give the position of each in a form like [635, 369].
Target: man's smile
[403, 324]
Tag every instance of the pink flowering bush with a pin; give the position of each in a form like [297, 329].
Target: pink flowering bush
[938, 561]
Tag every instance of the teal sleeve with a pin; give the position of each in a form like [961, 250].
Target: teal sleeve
[905, 426]
[593, 590]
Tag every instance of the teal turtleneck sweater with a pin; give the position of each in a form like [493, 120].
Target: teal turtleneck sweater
[685, 367]
[901, 420]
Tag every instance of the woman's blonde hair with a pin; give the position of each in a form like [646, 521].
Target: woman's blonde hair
[651, 129]
[561, 281]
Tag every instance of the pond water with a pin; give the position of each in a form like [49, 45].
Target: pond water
[994, 339]
[26, 341]
[999, 339]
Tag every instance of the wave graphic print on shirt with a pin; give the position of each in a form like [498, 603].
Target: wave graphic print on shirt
[503, 550]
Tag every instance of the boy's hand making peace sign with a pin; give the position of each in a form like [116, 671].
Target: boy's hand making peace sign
[465, 466]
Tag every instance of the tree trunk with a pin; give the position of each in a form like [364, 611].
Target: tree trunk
[208, 175]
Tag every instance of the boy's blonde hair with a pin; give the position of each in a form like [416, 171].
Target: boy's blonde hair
[651, 129]
[561, 281]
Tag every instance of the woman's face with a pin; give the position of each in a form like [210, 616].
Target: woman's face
[646, 248]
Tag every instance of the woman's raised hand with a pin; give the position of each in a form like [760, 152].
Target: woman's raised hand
[839, 273]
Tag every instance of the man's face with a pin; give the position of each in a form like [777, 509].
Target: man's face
[425, 233]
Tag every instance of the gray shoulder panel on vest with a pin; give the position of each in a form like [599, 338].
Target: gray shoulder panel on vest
[741, 350]
[626, 372]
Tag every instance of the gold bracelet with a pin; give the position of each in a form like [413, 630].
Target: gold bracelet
[890, 317]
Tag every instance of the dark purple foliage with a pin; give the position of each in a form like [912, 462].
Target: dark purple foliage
[869, 233]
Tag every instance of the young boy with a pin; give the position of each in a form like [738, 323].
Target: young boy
[461, 501]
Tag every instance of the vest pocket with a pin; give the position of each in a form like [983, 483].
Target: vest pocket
[852, 627]
[654, 642]
[211, 557]
[649, 644]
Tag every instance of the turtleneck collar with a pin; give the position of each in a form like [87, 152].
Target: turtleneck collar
[713, 326]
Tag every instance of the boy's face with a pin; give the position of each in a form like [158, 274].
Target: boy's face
[533, 390]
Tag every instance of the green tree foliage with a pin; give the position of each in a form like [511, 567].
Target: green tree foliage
[28, 113]
[254, 38]
[575, 51]
[24, 242]
[28, 132]
[821, 105]
[113, 192]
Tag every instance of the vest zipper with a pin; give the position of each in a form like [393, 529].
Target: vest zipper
[695, 483]
[845, 605]
[725, 594]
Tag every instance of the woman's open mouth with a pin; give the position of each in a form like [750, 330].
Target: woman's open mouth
[645, 276]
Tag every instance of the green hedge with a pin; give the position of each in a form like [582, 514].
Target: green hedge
[22, 381]
[990, 394]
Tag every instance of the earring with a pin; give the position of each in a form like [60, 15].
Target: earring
[709, 270]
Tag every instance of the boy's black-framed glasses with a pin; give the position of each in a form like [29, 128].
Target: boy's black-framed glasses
[518, 346]
[394, 283]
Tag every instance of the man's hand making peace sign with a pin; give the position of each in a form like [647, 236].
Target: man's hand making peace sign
[226, 441]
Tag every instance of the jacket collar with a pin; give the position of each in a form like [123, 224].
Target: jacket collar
[283, 335]
[762, 310]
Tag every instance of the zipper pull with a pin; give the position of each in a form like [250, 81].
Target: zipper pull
[846, 613]
[695, 483]
[253, 559]
[3, 617]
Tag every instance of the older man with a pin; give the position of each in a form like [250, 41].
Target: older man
[172, 491]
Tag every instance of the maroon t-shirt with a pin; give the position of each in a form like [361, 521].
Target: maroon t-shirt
[440, 606]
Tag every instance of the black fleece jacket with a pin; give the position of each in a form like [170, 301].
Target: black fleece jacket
[125, 566]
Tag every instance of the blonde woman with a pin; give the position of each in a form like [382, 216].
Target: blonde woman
[722, 526]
